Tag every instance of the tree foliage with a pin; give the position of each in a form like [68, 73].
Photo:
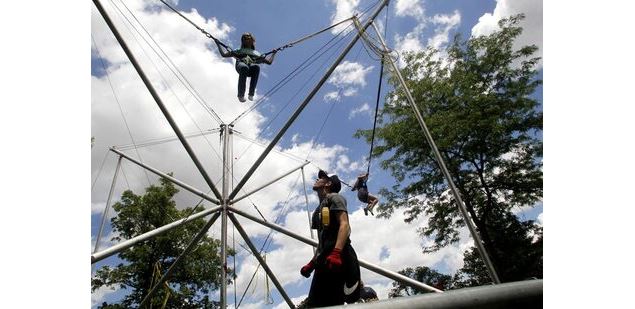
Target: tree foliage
[476, 100]
[191, 282]
[422, 274]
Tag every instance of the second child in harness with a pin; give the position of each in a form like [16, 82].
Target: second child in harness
[363, 195]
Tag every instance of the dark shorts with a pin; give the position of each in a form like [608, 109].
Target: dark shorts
[362, 195]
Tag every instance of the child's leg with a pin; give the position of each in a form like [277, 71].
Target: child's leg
[373, 201]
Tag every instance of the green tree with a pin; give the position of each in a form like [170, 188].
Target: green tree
[477, 103]
[422, 274]
[192, 280]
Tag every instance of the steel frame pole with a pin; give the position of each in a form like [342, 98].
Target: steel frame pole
[105, 214]
[308, 211]
[234, 201]
[187, 250]
[262, 262]
[477, 239]
[304, 103]
[372, 267]
[156, 97]
[227, 130]
[168, 177]
[520, 294]
[96, 257]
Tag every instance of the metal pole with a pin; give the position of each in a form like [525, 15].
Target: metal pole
[446, 173]
[303, 104]
[187, 250]
[96, 257]
[234, 201]
[105, 215]
[521, 294]
[262, 262]
[308, 212]
[168, 177]
[382, 271]
[156, 97]
[223, 248]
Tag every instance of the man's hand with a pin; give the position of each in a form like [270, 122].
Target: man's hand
[307, 269]
[334, 260]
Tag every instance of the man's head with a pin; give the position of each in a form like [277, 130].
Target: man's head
[329, 184]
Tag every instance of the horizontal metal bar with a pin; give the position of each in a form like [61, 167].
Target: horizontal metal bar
[168, 177]
[372, 267]
[234, 201]
[96, 257]
[521, 294]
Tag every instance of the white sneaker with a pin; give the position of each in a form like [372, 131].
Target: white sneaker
[241, 99]
[251, 98]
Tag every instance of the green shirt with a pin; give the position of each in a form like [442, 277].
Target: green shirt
[247, 55]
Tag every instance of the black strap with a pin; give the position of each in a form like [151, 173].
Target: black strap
[372, 139]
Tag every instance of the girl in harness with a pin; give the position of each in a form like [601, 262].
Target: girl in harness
[247, 60]
[363, 195]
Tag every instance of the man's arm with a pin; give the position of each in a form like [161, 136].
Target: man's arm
[344, 230]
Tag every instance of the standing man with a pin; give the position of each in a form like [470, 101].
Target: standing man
[337, 277]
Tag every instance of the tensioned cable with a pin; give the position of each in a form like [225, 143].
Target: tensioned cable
[275, 50]
[297, 70]
[381, 74]
[297, 92]
[288, 155]
[207, 34]
[365, 11]
[123, 116]
[180, 74]
[162, 77]
[99, 172]
[192, 91]
[280, 111]
[372, 139]
[162, 140]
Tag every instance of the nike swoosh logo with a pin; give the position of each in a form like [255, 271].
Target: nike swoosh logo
[350, 290]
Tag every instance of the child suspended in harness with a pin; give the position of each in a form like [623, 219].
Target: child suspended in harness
[247, 60]
[363, 195]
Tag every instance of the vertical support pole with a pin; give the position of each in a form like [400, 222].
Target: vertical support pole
[224, 203]
[308, 212]
[444, 170]
[105, 215]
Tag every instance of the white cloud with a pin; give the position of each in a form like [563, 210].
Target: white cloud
[411, 8]
[99, 295]
[365, 108]
[445, 23]
[532, 24]
[332, 96]
[413, 41]
[343, 9]
[349, 73]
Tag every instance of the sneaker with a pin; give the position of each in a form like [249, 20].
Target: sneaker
[251, 97]
[241, 99]
[365, 211]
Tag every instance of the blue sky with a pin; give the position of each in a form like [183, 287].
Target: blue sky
[128, 112]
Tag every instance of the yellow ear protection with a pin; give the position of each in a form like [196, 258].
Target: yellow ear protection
[325, 216]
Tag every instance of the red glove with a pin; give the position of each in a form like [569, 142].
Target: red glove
[334, 260]
[307, 269]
